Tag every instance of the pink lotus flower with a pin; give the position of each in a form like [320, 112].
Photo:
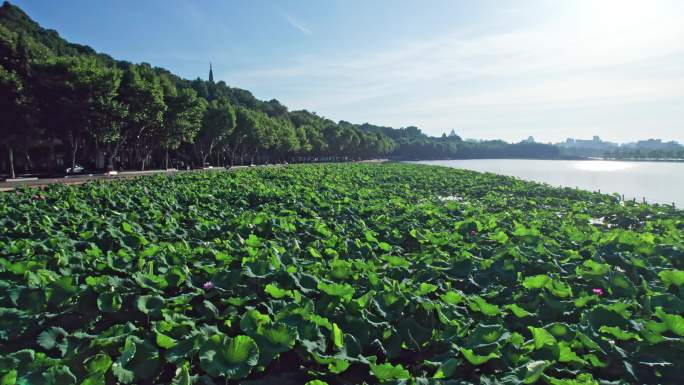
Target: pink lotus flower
[597, 291]
[473, 233]
[208, 285]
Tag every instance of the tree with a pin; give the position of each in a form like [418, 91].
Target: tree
[61, 89]
[13, 95]
[254, 132]
[182, 120]
[76, 101]
[348, 140]
[13, 125]
[286, 140]
[104, 115]
[143, 97]
[217, 126]
[305, 146]
[200, 87]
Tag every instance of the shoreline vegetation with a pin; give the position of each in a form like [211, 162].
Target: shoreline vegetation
[38, 176]
[675, 160]
[337, 274]
[67, 108]
[41, 180]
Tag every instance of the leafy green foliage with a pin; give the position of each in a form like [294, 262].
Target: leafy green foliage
[338, 274]
[233, 358]
[388, 371]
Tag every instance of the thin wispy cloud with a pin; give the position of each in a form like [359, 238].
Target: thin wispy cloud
[486, 69]
[607, 56]
[296, 24]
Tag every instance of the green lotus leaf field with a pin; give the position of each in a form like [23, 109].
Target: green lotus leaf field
[338, 274]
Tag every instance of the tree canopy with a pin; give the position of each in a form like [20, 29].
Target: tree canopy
[65, 104]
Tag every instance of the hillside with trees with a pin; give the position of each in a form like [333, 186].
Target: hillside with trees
[65, 104]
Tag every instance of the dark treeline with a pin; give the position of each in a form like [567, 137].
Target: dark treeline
[64, 104]
[640, 153]
[450, 148]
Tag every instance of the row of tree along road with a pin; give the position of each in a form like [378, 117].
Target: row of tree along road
[65, 105]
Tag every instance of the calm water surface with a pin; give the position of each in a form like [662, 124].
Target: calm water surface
[661, 182]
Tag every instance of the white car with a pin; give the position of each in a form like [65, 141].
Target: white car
[77, 169]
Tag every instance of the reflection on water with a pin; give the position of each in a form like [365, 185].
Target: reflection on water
[602, 166]
[661, 182]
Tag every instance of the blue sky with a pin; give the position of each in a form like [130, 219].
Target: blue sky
[488, 69]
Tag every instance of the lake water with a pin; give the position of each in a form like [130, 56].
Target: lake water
[661, 182]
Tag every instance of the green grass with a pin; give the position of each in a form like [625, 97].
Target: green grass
[346, 274]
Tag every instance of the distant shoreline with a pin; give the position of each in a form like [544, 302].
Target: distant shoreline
[675, 160]
[569, 158]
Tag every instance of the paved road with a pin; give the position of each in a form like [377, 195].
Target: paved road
[9, 186]
[80, 179]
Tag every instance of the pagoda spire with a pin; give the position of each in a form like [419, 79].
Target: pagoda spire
[211, 74]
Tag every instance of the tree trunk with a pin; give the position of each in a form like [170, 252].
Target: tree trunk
[99, 157]
[73, 157]
[27, 166]
[111, 154]
[148, 158]
[144, 160]
[166, 159]
[74, 148]
[11, 162]
[51, 151]
[212, 144]
[114, 154]
[110, 161]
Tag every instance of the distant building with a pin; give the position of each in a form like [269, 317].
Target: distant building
[653, 144]
[454, 136]
[530, 139]
[599, 148]
[594, 147]
[595, 143]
